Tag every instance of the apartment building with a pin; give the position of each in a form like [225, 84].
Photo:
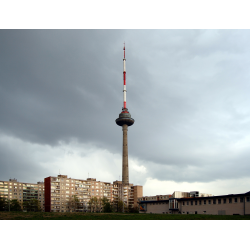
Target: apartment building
[63, 194]
[21, 191]
[196, 203]
[129, 194]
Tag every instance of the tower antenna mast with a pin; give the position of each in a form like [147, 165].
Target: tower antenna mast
[124, 79]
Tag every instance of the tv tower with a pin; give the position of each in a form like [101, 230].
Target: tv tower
[124, 120]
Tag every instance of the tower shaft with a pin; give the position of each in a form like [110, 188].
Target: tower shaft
[125, 176]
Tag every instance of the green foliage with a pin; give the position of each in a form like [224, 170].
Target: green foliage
[120, 207]
[100, 204]
[31, 205]
[9, 205]
[3, 204]
[134, 210]
[95, 204]
[15, 205]
[73, 204]
[106, 205]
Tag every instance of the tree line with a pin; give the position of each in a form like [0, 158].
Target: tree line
[94, 205]
[105, 206]
[32, 205]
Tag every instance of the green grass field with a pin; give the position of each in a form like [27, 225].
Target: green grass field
[114, 216]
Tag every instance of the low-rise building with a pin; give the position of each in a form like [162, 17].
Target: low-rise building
[196, 203]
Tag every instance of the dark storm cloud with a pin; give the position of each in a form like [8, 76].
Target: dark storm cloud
[186, 89]
[56, 84]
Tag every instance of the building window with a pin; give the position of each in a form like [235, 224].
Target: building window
[204, 212]
[219, 201]
[241, 199]
[230, 200]
[214, 201]
[235, 200]
[209, 201]
[183, 203]
[199, 202]
[224, 201]
[187, 203]
[187, 212]
[205, 202]
[192, 203]
[195, 202]
[248, 199]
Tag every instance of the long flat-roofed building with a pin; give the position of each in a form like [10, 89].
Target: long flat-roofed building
[196, 203]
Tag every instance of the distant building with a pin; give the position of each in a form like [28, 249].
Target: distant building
[21, 191]
[196, 203]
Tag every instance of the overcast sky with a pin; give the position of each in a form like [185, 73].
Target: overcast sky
[188, 91]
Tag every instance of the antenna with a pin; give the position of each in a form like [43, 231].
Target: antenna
[124, 79]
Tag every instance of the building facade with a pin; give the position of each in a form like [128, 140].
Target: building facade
[63, 194]
[196, 203]
[129, 194]
[23, 192]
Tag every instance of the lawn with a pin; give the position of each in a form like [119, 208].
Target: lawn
[114, 216]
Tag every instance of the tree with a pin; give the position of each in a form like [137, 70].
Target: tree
[134, 209]
[9, 205]
[73, 204]
[32, 205]
[107, 208]
[93, 204]
[120, 205]
[3, 204]
[15, 205]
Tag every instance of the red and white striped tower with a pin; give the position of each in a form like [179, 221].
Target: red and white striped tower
[124, 120]
[124, 79]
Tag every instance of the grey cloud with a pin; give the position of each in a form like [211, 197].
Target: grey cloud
[187, 91]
